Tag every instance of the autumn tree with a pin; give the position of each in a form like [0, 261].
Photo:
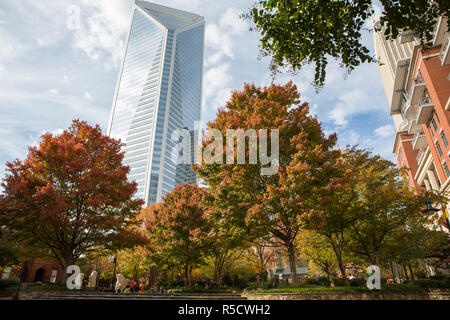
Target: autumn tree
[317, 249]
[179, 228]
[261, 199]
[225, 239]
[334, 205]
[71, 194]
[298, 33]
[387, 211]
[261, 253]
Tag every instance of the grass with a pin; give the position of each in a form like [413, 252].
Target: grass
[390, 288]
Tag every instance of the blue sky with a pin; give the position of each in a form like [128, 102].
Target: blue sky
[51, 74]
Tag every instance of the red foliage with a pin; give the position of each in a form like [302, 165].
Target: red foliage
[70, 194]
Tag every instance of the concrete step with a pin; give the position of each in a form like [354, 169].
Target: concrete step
[109, 296]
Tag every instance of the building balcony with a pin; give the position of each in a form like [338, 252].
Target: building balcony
[401, 73]
[419, 141]
[417, 89]
[409, 113]
[420, 156]
[439, 32]
[444, 53]
[425, 108]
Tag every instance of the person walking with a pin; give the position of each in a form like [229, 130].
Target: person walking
[118, 286]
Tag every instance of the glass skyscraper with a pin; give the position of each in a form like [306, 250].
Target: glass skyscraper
[158, 91]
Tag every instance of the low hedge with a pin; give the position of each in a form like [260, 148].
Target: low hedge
[6, 284]
[408, 287]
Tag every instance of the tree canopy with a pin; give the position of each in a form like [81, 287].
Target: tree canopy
[178, 229]
[70, 195]
[267, 203]
[302, 32]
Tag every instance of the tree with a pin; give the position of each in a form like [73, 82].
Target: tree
[71, 194]
[8, 251]
[261, 254]
[265, 202]
[334, 204]
[179, 228]
[385, 207]
[225, 239]
[317, 249]
[297, 33]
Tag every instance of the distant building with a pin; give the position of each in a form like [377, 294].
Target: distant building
[279, 269]
[417, 86]
[158, 91]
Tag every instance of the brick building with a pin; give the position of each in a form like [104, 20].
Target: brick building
[417, 86]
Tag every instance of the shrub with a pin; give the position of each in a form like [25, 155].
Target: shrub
[358, 282]
[171, 284]
[320, 281]
[340, 282]
[431, 283]
[7, 283]
[440, 277]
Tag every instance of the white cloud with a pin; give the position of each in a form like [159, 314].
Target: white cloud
[350, 103]
[88, 96]
[216, 78]
[384, 131]
[220, 36]
[222, 96]
[53, 91]
[348, 137]
[231, 20]
[101, 34]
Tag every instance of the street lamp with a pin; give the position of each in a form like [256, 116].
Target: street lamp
[430, 206]
[114, 274]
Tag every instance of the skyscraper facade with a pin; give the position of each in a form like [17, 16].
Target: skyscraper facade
[417, 86]
[158, 91]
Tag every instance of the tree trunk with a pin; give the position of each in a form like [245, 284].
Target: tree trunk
[186, 276]
[292, 264]
[338, 252]
[406, 272]
[64, 264]
[392, 271]
[410, 271]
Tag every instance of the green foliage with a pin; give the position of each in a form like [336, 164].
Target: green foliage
[320, 281]
[385, 288]
[8, 256]
[431, 283]
[8, 283]
[297, 33]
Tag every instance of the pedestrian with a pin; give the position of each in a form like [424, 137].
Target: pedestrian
[118, 286]
[132, 283]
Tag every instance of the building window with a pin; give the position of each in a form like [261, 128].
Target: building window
[447, 172]
[438, 147]
[53, 276]
[6, 272]
[431, 131]
[434, 123]
[437, 116]
[444, 139]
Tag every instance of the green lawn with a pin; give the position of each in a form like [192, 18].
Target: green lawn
[391, 288]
